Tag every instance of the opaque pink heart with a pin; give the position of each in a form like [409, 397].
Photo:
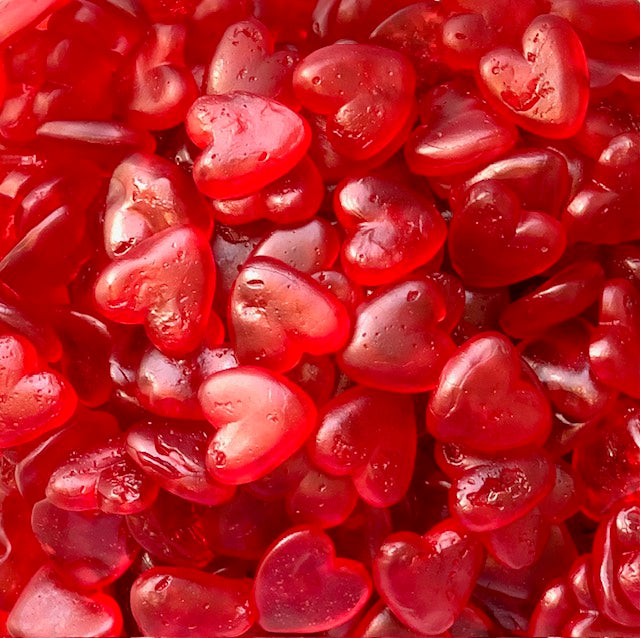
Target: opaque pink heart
[544, 89]
[301, 586]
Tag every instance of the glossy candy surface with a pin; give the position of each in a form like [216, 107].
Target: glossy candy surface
[319, 318]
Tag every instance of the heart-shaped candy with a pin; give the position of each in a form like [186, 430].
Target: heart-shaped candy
[493, 242]
[544, 89]
[159, 87]
[488, 398]
[245, 61]
[365, 90]
[249, 141]
[459, 132]
[427, 580]
[301, 586]
[614, 350]
[276, 314]
[177, 601]
[47, 607]
[391, 230]
[261, 417]
[147, 194]
[397, 344]
[32, 400]
[371, 436]
[166, 283]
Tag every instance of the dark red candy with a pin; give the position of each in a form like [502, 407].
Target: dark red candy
[261, 419]
[459, 132]
[158, 88]
[488, 399]
[328, 591]
[165, 283]
[499, 491]
[566, 496]
[249, 141]
[316, 375]
[545, 89]
[391, 229]
[176, 601]
[365, 91]
[276, 314]
[614, 351]
[395, 326]
[148, 194]
[101, 551]
[33, 399]
[427, 580]
[48, 607]
[245, 61]
[380, 621]
[371, 437]
[567, 294]
[173, 454]
[618, 166]
[493, 242]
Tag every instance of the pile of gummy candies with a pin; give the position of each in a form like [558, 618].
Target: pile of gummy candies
[320, 317]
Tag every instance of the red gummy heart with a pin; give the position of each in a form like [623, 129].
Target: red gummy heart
[301, 586]
[32, 401]
[167, 284]
[488, 398]
[148, 194]
[178, 601]
[391, 230]
[459, 132]
[545, 89]
[427, 580]
[249, 141]
[397, 344]
[493, 242]
[47, 607]
[276, 314]
[261, 417]
[245, 61]
[371, 436]
[614, 350]
[365, 90]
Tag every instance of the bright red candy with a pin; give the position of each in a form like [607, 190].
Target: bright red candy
[328, 591]
[488, 398]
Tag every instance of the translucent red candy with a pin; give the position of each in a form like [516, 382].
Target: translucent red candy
[319, 317]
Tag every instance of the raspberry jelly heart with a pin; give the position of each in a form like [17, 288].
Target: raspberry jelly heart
[249, 141]
[614, 350]
[245, 61]
[371, 436]
[427, 580]
[488, 398]
[493, 242]
[178, 601]
[459, 132]
[545, 89]
[277, 313]
[261, 417]
[166, 283]
[47, 607]
[148, 194]
[397, 344]
[365, 90]
[301, 586]
[32, 400]
[391, 230]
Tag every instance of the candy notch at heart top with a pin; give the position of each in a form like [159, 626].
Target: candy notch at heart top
[488, 398]
[277, 313]
[545, 89]
[249, 141]
[301, 586]
[262, 418]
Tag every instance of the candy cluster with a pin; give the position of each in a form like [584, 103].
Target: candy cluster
[319, 317]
